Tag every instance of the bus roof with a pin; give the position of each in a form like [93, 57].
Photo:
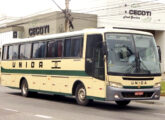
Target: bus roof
[76, 33]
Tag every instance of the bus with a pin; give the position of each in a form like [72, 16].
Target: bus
[92, 64]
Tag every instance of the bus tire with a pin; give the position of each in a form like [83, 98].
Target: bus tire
[24, 88]
[123, 103]
[81, 95]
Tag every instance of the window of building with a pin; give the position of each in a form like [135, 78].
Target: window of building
[4, 53]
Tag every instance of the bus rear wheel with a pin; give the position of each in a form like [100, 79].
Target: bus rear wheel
[123, 103]
[24, 88]
[81, 95]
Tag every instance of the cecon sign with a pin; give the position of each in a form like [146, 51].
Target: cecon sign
[140, 12]
[39, 30]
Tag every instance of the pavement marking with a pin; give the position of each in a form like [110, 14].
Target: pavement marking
[10, 110]
[160, 114]
[43, 116]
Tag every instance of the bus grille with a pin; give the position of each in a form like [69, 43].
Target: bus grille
[126, 78]
[132, 95]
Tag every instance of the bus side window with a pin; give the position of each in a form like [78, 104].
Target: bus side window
[39, 50]
[27, 50]
[4, 55]
[77, 45]
[55, 48]
[73, 47]
[22, 52]
[67, 47]
[15, 52]
[9, 54]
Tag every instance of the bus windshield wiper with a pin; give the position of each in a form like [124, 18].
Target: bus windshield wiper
[137, 60]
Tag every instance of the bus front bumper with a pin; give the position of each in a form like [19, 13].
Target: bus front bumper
[120, 94]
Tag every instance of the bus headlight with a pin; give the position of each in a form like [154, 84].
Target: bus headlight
[114, 84]
[157, 85]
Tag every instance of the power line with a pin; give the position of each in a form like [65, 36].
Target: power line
[68, 16]
[58, 6]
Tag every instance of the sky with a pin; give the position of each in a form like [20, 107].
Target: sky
[21, 8]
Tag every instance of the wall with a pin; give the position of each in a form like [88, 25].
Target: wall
[160, 40]
[116, 13]
[6, 37]
[55, 21]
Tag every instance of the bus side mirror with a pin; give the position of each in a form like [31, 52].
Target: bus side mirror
[159, 53]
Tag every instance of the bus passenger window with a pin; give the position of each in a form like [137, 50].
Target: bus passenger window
[59, 49]
[15, 52]
[42, 50]
[28, 50]
[67, 48]
[25, 51]
[76, 47]
[35, 50]
[51, 49]
[39, 50]
[22, 52]
[10, 52]
[4, 53]
[55, 49]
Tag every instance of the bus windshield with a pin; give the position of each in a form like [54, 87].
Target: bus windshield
[132, 54]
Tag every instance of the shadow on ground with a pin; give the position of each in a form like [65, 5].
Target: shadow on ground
[109, 106]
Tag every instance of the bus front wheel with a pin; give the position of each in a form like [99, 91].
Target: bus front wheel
[81, 95]
[24, 88]
[123, 103]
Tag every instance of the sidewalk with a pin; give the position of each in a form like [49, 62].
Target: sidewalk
[163, 76]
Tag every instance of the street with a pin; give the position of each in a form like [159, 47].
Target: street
[41, 107]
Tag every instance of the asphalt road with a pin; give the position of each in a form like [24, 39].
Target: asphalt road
[42, 107]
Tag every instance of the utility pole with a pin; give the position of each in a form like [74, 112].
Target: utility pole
[67, 12]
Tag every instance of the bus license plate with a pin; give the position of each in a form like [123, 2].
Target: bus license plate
[139, 93]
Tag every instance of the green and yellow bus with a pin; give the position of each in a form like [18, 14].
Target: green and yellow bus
[92, 64]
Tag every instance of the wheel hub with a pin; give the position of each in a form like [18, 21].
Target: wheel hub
[24, 89]
[81, 94]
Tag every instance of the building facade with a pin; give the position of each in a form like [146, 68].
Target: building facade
[144, 15]
[44, 24]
